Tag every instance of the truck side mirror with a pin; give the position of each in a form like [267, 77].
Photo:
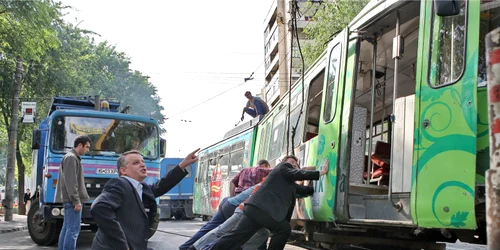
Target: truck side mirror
[163, 147]
[36, 139]
[447, 7]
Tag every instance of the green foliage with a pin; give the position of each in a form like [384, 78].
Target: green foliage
[330, 18]
[61, 59]
[25, 28]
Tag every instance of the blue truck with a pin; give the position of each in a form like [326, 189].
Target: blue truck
[178, 202]
[112, 132]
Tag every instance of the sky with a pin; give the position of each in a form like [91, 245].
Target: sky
[197, 53]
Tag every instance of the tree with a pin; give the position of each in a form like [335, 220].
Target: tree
[330, 18]
[112, 77]
[26, 33]
[58, 59]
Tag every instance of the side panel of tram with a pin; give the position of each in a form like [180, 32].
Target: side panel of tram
[401, 161]
[217, 166]
[426, 167]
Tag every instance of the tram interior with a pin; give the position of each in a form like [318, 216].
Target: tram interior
[370, 171]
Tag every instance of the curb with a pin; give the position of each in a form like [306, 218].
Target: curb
[10, 230]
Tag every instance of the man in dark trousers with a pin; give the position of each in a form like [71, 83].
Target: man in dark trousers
[255, 106]
[271, 206]
[126, 208]
[224, 212]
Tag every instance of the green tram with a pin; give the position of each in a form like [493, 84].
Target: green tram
[398, 104]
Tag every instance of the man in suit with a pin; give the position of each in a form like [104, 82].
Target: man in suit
[272, 206]
[126, 208]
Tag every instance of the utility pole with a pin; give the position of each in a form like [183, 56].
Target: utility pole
[11, 150]
[493, 174]
[282, 47]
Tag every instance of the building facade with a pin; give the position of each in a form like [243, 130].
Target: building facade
[280, 52]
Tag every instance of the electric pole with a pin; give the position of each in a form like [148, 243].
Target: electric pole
[11, 150]
[493, 174]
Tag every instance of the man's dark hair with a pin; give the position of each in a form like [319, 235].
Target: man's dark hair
[122, 162]
[290, 157]
[248, 93]
[82, 139]
[263, 162]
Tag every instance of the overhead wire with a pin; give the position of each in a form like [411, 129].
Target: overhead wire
[286, 56]
[225, 91]
[209, 99]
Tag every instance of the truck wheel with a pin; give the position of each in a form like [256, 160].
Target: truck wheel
[42, 233]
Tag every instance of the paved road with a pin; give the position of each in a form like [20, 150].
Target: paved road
[160, 241]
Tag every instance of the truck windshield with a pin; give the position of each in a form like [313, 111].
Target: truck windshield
[110, 137]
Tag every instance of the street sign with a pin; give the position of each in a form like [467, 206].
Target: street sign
[29, 110]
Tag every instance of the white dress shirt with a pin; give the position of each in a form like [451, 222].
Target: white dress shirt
[136, 184]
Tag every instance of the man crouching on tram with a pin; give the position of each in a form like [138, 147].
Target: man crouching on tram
[271, 206]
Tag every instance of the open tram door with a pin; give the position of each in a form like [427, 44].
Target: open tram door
[377, 129]
[330, 123]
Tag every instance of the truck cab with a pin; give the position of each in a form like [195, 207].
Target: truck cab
[111, 131]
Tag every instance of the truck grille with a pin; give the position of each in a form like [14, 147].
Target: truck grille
[94, 186]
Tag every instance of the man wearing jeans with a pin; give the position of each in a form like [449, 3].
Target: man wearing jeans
[72, 193]
[255, 106]
[258, 240]
[225, 211]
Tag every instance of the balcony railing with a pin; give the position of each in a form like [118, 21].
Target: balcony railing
[270, 12]
[271, 40]
[272, 89]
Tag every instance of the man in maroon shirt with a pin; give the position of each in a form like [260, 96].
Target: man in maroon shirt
[248, 177]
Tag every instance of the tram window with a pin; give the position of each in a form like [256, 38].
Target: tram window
[263, 140]
[447, 54]
[298, 131]
[378, 134]
[314, 105]
[332, 83]
[277, 135]
[236, 161]
[490, 11]
[237, 146]
[224, 164]
[204, 172]
[211, 166]
[201, 165]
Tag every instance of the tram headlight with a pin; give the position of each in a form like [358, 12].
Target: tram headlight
[56, 211]
[62, 211]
